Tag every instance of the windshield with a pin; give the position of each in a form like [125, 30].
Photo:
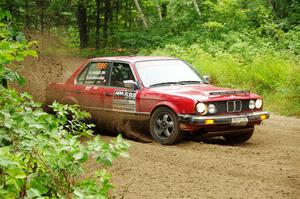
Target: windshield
[166, 72]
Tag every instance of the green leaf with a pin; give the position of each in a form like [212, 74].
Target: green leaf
[21, 175]
[21, 80]
[32, 193]
[36, 125]
[79, 193]
[78, 156]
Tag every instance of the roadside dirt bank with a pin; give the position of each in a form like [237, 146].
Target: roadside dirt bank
[45, 69]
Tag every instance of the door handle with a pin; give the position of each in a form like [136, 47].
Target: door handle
[108, 94]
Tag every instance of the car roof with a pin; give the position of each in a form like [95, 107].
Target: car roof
[132, 59]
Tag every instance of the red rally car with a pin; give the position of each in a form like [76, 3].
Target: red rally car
[165, 93]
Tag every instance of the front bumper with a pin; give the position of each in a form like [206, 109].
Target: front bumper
[234, 120]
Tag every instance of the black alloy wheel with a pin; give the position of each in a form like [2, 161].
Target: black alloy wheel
[164, 126]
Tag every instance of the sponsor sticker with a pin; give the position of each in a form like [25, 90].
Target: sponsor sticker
[124, 100]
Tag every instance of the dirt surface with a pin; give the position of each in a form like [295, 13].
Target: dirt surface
[267, 166]
[52, 65]
[45, 69]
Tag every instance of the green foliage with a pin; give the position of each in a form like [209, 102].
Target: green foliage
[291, 40]
[41, 154]
[232, 37]
[13, 47]
[252, 45]
[72, 119]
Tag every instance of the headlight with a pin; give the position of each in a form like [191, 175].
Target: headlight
[258, 103]
[251, 104]
[212, 108]
[201, 108]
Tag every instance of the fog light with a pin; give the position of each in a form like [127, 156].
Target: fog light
[251, 104]
[263, 117]
[212, 108]
[209, 121]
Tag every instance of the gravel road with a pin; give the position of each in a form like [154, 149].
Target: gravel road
[267, 166]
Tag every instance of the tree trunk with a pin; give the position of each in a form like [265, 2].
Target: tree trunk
[82, 23]
[41, 6]
[164, 9]
[106, 20]
[128, 23]
[27, 18]
[111, 18]
[97, 24]
[142, 16]
[197, 7]
[158, 10]
[172, 10]
[50, 24]
[118, 5]
[36, 17]
[273, 5]
[4, 83]
[280, 8]
[42, 20]
[130, 16]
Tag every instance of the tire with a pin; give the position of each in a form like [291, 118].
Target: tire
[240, 137]
[164, 126]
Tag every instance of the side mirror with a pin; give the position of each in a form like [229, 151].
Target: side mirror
[206, 78]
[130, 84]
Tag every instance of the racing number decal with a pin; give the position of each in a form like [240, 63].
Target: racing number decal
[124, 100]
[102, 65]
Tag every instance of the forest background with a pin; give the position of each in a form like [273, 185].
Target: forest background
[247, 44]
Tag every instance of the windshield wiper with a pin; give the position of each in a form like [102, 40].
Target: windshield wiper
[179, 82]
[163, 84]
[190, 82]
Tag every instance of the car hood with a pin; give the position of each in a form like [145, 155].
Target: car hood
[202, 92]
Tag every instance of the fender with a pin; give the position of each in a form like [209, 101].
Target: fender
[168, 104]
[69, 99]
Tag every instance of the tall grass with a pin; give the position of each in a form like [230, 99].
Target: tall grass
[274, 75]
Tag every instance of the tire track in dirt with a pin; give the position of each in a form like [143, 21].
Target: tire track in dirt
[267, 166]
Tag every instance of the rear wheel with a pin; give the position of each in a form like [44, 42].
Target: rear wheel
[164, 126]
[239, 137]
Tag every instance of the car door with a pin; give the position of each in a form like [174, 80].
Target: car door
[117, 98]
[92, 82]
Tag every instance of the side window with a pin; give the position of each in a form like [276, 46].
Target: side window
[95, 74]
[119, 73]
[81, 77]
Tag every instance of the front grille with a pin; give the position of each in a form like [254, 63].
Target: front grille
[232, 106]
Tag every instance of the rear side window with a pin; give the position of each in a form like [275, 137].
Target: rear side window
[81, 78]
[94, 74]
[119, 73]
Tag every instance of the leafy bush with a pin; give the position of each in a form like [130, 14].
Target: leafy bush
[41, 156]
[13, 47]
[291, 40]
[40, 153]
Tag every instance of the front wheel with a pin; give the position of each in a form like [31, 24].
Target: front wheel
[164, 126]
[238, 138]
